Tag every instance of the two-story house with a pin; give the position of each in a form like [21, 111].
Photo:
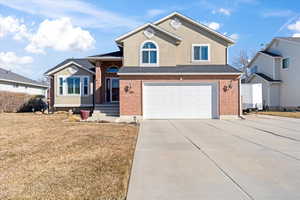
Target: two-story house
[174, 68]
[277, 69]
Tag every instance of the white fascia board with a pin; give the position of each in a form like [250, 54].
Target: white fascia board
[269, 55]
[66, 65]
[195, 23]
[176, 74]
[24, 83]
[105, 58]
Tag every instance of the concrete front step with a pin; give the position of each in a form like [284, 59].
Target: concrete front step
[106, 110]
[98, 114]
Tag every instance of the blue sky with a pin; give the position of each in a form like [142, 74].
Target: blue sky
[38, 34]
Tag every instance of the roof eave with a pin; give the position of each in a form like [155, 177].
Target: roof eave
[122, 37]
[24, 83]
[181, 73]
[64, 66]
[229, 40]
[105, 58]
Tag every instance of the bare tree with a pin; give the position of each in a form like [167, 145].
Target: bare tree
[242, 60]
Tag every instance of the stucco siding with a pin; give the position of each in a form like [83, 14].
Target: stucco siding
[171, 54]
[72, 100]
[195, 35]
[132, 45]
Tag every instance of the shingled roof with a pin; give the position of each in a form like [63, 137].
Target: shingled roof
[180, 69]
[270, 54]
[267, 77]
[9, 76]
[110, 54]
[85, 63]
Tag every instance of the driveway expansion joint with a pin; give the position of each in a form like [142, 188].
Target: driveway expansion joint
[249, 196]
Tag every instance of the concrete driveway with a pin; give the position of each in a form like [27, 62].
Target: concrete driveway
[257, 158]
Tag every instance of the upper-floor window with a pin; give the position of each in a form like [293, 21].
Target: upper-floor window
[149, 54]
[112, 69]
[285, 63]
[200, 52]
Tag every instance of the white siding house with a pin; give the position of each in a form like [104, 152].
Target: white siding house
[277, 67]
[12, 82]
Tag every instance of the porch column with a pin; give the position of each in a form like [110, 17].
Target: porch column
[98, 83]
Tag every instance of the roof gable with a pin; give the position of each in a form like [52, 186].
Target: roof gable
[81, 63]
[144, 27]
[111, 56]
[197, 24]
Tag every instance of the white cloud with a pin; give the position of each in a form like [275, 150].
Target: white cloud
[13, 26]
[155, 12]
[278, 13]
[10, 61]
[213, 25]
[61, 35]
[234, 36]
[296, 35]
[295, 27]
[223, 11]
[81, 12]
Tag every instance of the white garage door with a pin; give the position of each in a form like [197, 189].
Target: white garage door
[180, 101]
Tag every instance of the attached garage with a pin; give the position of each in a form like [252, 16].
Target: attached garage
[180, 92]
[180, 100]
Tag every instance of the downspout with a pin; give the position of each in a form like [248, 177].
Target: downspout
[240, 99]
[94, 89]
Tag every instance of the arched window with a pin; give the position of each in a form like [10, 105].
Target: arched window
[149, 53]
[112, 69]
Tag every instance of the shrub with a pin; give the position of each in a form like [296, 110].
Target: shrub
[19, 102]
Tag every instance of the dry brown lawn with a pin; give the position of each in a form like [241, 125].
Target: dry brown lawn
[281, 114]
[43, 157]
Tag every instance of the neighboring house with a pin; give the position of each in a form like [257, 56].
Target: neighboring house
[12, 82]
[277, 68]
[172, 68]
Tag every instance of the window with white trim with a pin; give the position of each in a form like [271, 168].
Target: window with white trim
[85, 86]
[200, 52]
[149, 54]
[73, 85]
[285, 63]
[61, 86]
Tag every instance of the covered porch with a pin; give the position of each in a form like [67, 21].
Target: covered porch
[106, 89]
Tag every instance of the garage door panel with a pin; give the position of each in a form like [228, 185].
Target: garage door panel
[179, 100]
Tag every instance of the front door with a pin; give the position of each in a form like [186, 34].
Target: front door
[112, 90]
